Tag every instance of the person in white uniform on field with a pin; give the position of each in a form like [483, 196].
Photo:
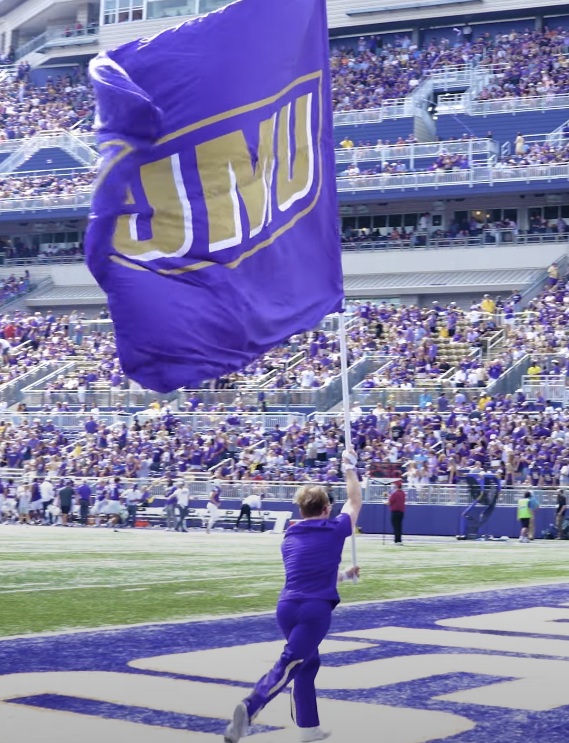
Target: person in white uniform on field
[213, 507]
[250, 502]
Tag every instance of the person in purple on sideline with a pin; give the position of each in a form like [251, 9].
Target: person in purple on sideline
[84, 498]
[312, 551]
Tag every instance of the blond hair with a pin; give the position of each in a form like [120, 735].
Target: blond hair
[311, 500]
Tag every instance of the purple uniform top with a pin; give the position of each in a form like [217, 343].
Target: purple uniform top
[312, 551]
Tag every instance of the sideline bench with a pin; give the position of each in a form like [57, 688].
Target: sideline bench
[198, 518]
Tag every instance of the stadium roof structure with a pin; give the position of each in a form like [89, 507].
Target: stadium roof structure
[439, 281]
[7, 5]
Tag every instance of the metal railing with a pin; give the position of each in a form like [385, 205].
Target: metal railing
[457, 495]
[59, 172]
[10, 392]
[11, 145]
[42, 259]
[199, 484]
[197, 421]
[416, 151]
[31, 46]
[553, 389]
[384, 182]
[38, 396]
[59, 36]
[422, 241]
[79, 200]
[318, 397]
[518, 105]
[557, 138]
[417, 397]
[60, 138]
[396, 108]
[437, 179]
[510, 380]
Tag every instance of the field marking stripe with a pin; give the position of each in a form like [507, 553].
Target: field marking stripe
[224, 617]
[126, 585]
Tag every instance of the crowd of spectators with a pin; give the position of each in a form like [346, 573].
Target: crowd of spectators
[530, 63]
[14, 286]
[45, 186]
[18, 249]
[536, 153]
[444, 435]
[525, 63]
[26, 109]
[374, 70]
[502, 435]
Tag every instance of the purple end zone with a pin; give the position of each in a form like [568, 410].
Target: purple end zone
[112, 650]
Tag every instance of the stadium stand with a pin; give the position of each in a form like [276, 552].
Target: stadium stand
[444, 142]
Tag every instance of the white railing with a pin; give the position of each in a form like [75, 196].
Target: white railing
[11, 145]
[518, 105]
[8, 71]
[557, 138]
[60, 172]
[59, 36]
[551, 388]
[395, 108]
[89, 139]
[77, 147]
[43, 259]
[416, 151]
[19, 155]
[197, 421]
[63, 35]
[431, 179]
[422, 241]
[32, 45]
[468, 176]
[61, 139]
[82, 199]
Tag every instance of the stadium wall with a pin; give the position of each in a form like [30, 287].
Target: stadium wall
[115, 34]
[408, 14]
[76, 275]
[455, 259]
[420, 520]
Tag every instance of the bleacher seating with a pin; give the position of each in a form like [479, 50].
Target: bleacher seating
[51, 159]
[503, 126]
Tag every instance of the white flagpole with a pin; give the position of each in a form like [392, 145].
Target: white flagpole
[346, 403]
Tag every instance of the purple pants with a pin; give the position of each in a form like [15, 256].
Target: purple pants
[304, 624]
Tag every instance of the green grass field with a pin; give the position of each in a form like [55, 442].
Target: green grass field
[55, 579]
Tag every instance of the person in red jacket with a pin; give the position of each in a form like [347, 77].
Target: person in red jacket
[397, 508]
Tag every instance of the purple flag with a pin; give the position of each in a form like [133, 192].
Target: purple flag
[214, 223]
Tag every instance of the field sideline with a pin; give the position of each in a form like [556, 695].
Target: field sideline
[58, 579]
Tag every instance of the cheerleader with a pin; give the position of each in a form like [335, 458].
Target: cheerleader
[213, 507]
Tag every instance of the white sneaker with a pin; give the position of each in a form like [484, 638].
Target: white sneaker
[307, 735]
[238, 727]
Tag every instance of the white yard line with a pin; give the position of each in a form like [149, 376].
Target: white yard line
[122, 585]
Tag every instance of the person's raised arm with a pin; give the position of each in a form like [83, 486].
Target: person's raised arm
[353, 504]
